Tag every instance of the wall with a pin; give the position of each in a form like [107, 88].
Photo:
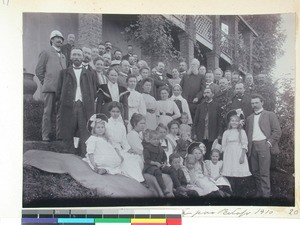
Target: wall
[36, 33]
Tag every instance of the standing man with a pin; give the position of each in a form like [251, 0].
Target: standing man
[227, 75]
[123, 73]
[193, 85]
[263, 130]
[101, 49]
[108, 48]
[235, 78]
[202, 70]
[117, 57]
[182, 69]
[218, 74]
[160, 79]
[87, 58]
[51, 62]
[130, 52]
[209, 77]
[249, 84]
[66, 49]
[76, 95]
[207, 122]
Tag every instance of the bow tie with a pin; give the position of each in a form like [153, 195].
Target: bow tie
[77, 68]
[257, 113]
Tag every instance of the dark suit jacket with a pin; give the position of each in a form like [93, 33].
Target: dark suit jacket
[159, 83]
[66, 50]
[244, 104]
[153, 153]
[269, 125]
[192, 87]
[104, 98]
[65, 95]
[214, 121]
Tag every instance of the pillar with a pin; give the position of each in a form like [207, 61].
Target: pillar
[248, 38]
[234, 35]
[89, 30]
[214, 56]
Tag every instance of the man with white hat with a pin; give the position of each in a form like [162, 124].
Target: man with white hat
[51, 62]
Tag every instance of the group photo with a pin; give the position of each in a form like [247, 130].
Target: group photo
[123, 110]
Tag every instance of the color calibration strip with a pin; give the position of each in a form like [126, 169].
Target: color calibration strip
[97, 217]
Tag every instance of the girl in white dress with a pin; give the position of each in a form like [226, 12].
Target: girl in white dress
[214, 168]
[172, 136]
[151, 105]
[136, 103]
[234, 146]
[181, 102]
[131, 165]
[167, 109]
[101, 155]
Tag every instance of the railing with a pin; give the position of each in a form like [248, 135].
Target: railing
[226, 45]
[203, 26]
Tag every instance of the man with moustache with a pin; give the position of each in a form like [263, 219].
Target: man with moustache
[50, 63]
[66, 49]
[227, 75]
[101, 49]
[123, 73]
[108, 48]
[193, 85]
[249, 84]
[209, 77]
[202, 70]
[76, 93]
[182, 69]
[87, 58]
[160, 79]
[207, 122]
[107, 62]
[235, 78]
[218, 74]
[117, 57]
[130, 53]
[263, 131]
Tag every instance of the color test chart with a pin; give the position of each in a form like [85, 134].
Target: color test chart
[97, 217]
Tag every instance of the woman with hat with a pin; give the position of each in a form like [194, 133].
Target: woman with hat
[101, 155]
[234, 146]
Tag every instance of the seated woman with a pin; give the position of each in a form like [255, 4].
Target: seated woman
[131, 166]
[112, 92]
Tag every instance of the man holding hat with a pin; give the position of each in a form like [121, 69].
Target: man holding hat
[50, 63]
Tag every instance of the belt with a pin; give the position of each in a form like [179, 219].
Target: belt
[167, 114]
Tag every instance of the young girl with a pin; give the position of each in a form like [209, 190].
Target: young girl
[214, 169]
[131, 166]
[203, 181]
[164, 142]
[172, 136]
[101, 155]
[136, 103]
[181, 102]
[234, 146]
[167, 110]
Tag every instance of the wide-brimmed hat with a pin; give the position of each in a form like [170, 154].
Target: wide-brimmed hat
[194, 145]
[95, 118]
[237, 112]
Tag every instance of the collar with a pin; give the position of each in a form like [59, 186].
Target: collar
[259, 111]
[209, 83]
[129, 89]
[158, 73]
[209, 101]
[56, 49]
[112, 84]
[77, 68]
[123, 74]
[179, 97]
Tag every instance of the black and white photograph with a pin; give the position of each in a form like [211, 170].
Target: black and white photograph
[158, 110]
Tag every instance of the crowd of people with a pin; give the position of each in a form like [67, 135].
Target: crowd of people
[206, 129]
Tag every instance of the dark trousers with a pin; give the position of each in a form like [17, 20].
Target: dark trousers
[208, 145]
[78, 128]
[260, 160]
[193, 108]
[235, 183]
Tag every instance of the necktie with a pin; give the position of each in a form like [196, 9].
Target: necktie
[257, 113]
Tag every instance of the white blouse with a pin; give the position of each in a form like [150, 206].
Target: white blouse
[117, 134]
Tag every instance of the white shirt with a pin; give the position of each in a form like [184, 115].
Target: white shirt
[114, 91]
[258, 135]
[78, 95]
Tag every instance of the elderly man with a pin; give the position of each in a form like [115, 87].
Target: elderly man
[182, 69]
[218, 73]
[241, 100]
[209, 78]
[159, 77]
[263, 131]
[66, 49]
[123, 73]
[193, 84]
[76, 93]
[207, 122]
[50, 63]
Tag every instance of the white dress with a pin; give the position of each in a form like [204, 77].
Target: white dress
[105, 156]
[131, 165]
[214, 171]
[151, 106]
[135, 141]
[165, 110]
[232, 148]
[185, 106]
[136, 104]
[172, 140]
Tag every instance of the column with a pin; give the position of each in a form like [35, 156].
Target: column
[214, 56]
[248, 38]
[234, 35]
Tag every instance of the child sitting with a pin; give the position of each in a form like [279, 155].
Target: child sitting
[172, 136]
[182, 145]
[101, 155]
[164, 142]
[214, 169]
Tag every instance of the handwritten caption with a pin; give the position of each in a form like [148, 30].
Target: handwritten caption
[239, 212]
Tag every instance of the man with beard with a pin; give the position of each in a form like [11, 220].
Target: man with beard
[130, 52]
[159, 78]
[50, 63]
[87, 58]
[76, 93]
[123, 73]
[182, 69]
[101, 49]
[66, 49]
[207, 122]
[223, 98]
[265, 88]
[218, 74]
[117, 57]
[241, 100]
[209, 77]
[202, 70]
[108, 48]
[263, 131]
[193, 85]
[249, 84]
[107, 62]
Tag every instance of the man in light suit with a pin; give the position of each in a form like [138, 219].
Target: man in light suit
[263, 130]
[51, 62]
